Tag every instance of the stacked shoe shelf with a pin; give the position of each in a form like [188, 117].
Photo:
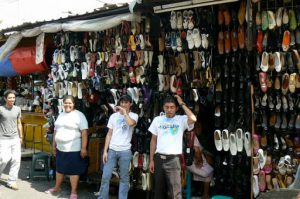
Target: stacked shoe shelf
[276, 96]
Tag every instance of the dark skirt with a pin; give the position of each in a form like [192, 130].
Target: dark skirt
[70, 163]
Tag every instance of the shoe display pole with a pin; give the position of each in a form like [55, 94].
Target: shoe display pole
[252, 133]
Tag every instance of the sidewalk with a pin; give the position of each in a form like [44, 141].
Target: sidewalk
[34, 189]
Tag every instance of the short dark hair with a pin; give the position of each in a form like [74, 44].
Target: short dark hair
[69, 97]
[9, 91]
[126, 98]
[170, 99]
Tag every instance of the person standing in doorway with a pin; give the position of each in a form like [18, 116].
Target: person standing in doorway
[117, 147]
[166, 147]
[69, 146]
[11, 136]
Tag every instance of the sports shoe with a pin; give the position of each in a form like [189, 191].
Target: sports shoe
[13, 186]
[73, 196]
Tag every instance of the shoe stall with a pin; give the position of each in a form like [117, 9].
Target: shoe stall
[235, 63]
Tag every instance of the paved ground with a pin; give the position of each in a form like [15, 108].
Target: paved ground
[34, 189]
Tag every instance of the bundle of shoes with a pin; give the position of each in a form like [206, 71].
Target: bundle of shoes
[276, 98]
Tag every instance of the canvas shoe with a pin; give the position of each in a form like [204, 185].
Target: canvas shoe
[173, 20]
[179, 20]
[232, 144]
[218, 140]
[185, 19]
[196, 37]
[190, 40]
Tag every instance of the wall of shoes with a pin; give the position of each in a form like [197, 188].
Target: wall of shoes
[205, 55]
[276, 139]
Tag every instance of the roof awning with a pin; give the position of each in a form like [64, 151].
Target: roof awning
[21, 61]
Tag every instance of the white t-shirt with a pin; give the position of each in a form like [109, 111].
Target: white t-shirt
[169, 132]
[121, 131]
[68, 127]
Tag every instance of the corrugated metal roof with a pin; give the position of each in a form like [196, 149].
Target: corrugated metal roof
[20, 13]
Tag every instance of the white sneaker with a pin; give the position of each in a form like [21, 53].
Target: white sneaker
[232, 144]
[239, 139]
[218, 140]
[225, 140]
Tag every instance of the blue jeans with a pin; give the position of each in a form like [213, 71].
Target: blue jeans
[123, 159]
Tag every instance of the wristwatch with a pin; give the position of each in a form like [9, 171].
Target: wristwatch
[182, 104]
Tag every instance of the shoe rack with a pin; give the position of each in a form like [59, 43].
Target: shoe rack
[276, 111]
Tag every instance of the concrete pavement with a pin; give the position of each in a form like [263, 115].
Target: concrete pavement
[35, 189]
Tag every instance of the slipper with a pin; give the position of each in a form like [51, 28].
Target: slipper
[285, 17]
[220, 17]
[73, 196]
[52, 191]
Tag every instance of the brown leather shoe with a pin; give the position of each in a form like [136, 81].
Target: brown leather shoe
[227, 42]
[227, 17]
[234, 40]
[220, 17]
[285, 83]
[271, 62]
[221, 43]
[277, 83]
[241, 37]
[242, 12]
[259, 41]
[296, 58]
[297, 81]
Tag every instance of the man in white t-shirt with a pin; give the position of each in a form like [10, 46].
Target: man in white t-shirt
[166, 147]
[117, 147]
